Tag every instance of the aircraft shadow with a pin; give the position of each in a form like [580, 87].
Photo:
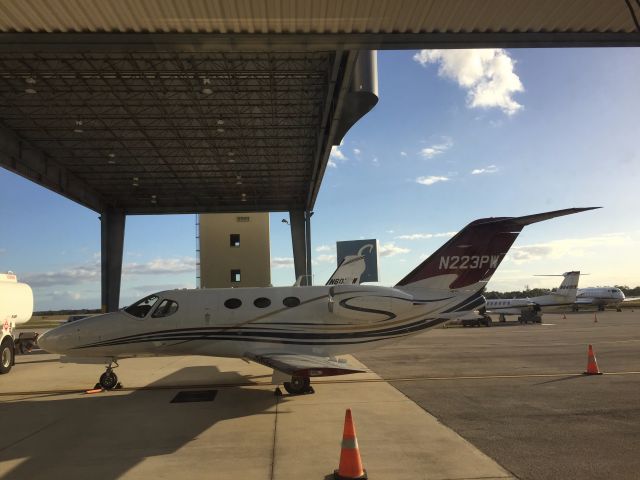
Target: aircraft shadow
[105, 435]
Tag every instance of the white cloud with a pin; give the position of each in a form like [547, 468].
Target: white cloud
[281, 262]
[425, 236]
[324, 248]
[489, 169]
[161, 265]
[391, 249]
[357, 151]
[430, 180]
[487, 74]
[336, 155]
[436, 149]
[574, 247]
[404, 154]
[90, 272]
[326, 258]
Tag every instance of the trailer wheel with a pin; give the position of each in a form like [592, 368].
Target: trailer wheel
[6, 355]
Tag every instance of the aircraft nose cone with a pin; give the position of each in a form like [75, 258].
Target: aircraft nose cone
[54, 341]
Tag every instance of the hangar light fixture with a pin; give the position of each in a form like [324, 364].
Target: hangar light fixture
[220, 122]
[78, 128]
[30, 81]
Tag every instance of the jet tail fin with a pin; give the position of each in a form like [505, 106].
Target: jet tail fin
[569, 286]
[472, 256]
[349, 271]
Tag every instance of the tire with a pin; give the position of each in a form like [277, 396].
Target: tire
[7, 355]
[108, 380]
[297, 385]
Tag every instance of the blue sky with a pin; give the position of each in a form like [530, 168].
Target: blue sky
[542, 129]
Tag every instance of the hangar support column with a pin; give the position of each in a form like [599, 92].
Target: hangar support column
[112, 228]
[301, 241]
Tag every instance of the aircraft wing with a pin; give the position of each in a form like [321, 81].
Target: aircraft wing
[304, 365]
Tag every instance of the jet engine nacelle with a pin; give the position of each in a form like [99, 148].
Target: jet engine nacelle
[368, 304]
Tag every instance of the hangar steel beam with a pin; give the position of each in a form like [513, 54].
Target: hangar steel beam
[19, 157]
[112, 223]
[309, 42]
[298, 224]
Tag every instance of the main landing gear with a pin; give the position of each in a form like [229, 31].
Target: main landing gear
[109, 380]
[299, 385]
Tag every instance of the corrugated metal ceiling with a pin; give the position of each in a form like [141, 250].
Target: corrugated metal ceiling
[318, 16]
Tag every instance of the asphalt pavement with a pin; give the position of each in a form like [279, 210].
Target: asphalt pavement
[516, 391]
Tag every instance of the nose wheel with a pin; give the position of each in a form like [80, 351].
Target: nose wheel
[298, 385]
[109, 380]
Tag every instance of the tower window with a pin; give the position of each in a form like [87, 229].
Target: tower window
[235, 276]
[234, 240]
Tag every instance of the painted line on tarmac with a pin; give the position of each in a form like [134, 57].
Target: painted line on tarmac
[320, 382]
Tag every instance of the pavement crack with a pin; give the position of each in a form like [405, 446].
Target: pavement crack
[35, 432]
[275, 436]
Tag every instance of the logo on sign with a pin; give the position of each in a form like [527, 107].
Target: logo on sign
[469, 262]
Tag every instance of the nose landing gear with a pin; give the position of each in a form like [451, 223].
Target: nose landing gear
[109, 380]
[299, 385]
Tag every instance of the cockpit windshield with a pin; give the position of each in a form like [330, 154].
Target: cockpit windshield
[142, 307]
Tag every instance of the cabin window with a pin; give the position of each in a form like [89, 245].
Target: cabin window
[234, 240]
[142, 307]
[235, 276]
[166, 308]
[291, 302]
[262, 302]
[233, 303]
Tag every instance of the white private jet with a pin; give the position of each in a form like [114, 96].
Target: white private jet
[530, 308]
[297, 330]
[599, 297]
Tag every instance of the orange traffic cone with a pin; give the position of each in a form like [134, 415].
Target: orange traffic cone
[350, 463]
[592, 364]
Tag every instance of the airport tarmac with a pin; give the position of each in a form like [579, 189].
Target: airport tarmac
[515, 391]
[53, 430]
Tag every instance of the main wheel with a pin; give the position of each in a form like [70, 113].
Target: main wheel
[108, 380]
[6, 355]
[297, 385]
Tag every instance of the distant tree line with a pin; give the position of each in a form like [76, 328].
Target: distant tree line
[47, 313]
[536, 292]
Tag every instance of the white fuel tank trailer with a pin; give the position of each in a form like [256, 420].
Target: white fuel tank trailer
[16, 307]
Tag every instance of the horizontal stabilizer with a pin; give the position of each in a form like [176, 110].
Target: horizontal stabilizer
[536, 217]
[303, 365]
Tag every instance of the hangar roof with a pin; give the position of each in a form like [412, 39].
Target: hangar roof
[318, 16]
[166, 106]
